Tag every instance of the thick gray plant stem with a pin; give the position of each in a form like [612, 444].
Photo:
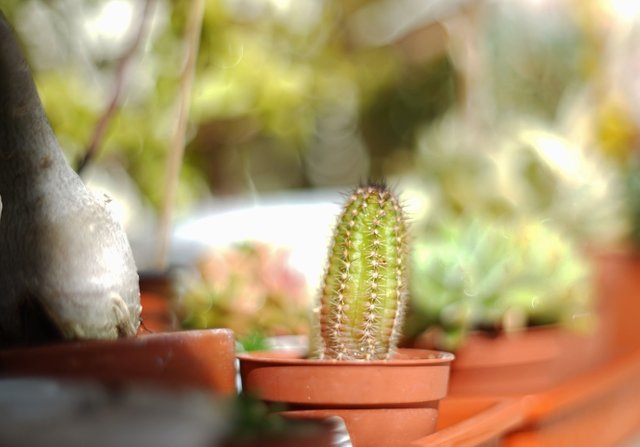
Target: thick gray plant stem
[66, 267]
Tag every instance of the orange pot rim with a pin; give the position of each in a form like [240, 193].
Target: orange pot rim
[403, 356]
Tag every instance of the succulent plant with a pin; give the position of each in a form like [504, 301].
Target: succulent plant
[363, 297]
[488, 275]
[250, 288]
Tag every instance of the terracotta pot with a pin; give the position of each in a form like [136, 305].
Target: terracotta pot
[521, 362]
[157, 295]
[202, 359]
[618, 281]
[383, 403]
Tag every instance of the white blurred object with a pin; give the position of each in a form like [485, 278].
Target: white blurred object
[45, 412]
[299, 16]
[385, 21]
[341, 436]
[297, 344]
[299, 222]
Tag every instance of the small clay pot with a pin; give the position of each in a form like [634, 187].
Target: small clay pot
[383, 403]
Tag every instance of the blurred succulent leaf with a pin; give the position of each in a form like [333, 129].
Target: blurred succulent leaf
[493, 275]
[524, 169]
[535, 56]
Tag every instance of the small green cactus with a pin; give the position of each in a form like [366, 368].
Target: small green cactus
[363, 298]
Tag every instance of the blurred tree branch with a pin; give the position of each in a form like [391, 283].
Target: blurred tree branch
[176, 150]
[121, 70]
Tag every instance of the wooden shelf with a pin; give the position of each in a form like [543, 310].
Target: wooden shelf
[599, 408]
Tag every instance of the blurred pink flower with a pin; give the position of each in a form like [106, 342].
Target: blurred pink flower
[249, 288]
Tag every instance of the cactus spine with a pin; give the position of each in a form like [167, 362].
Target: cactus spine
[362, 300]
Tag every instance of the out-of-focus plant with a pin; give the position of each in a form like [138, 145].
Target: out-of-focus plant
[523, 169]
[272, 82]
[536, 52]
[249, 288]
[254, 422]
[484, 275]
[603, 115]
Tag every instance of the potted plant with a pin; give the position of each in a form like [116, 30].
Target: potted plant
[250, 288]
[386, 396]
[69, 281]
[66, 266]
[514, 301]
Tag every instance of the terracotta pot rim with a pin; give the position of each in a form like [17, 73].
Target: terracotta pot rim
[106, 344]
[404, 356]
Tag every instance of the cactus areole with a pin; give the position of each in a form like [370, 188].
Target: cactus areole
[363, 297]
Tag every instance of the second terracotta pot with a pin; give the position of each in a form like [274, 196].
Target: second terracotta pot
[528, 361]
[157, 297]
[383, 403]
